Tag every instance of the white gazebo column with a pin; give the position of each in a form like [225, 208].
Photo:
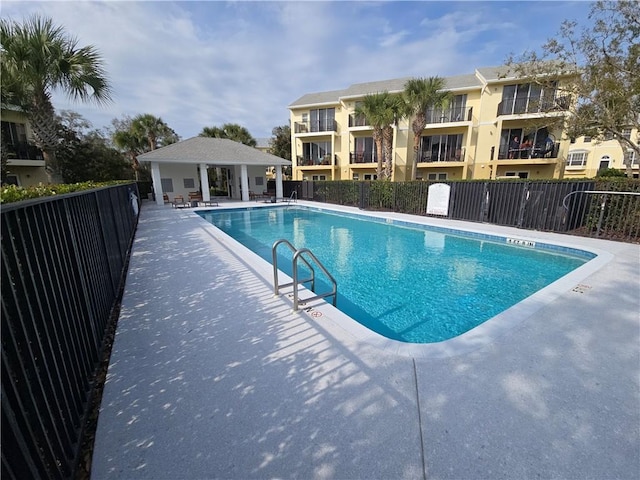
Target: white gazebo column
[244, 183]
[279, 181]
[204, 182]
[157, 183]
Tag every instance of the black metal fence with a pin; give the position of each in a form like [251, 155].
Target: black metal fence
[599, 208]
[63, 264]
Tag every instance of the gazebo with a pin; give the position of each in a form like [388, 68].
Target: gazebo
[176, 167]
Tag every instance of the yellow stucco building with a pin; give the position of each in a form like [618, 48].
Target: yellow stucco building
[494, 127]
[25, 163]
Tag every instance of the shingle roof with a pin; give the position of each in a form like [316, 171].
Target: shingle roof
[212, 151]
[393, 85]
[468, 80]
[492, 74]
[318, 98]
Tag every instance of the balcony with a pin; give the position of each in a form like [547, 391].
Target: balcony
[455, 114]
[529, 105]
[537, 152]
[315, 126]
[357, 120]
[22, 151]
[303, 161]
[362, 157]
[432, 157]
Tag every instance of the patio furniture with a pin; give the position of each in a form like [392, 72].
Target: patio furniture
[178, 202]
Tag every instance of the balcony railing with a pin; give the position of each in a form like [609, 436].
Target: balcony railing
[358, 120]
[362, 157]
[23, 151]
[455, 114]
[430, 157]
[316, 126]
[527, 153]
[304, 161]
[509, 106]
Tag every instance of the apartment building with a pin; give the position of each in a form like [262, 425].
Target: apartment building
[495, 127]
[25, 163]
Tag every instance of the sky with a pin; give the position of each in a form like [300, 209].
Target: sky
[199, 64]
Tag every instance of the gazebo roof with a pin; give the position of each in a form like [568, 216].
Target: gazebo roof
[212, 151]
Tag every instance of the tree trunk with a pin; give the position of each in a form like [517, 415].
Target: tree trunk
[387, 137]
[53, 173]
[377, 140]
[417, 126]
[416, 148]
[42, 121]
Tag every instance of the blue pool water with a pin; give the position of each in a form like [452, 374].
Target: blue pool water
[405, 281]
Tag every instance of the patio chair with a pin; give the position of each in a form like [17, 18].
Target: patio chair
[165, 197]
[178, 202]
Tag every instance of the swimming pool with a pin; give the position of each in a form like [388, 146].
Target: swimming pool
[408, 282]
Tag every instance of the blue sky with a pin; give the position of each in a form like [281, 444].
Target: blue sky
[197, 64]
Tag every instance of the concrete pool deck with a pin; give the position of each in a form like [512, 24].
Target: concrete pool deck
[212, 376]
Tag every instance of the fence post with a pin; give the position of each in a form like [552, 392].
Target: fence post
[524, 199]
[602, 207]
[484, 205]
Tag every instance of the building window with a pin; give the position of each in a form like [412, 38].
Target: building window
[586, 139]
[14, 133]
[319, 177]
[630, 158]
[440, 148]
[626, 133]
[437, 176]
[455, 112]
[259, 181]
[11, 180]
[322, 119]
[356, 177]
[370, 176]
[316, 153]
[577, 159]
[365, 151]
[517, 174]
[528, 98]
[188, 183]
[167, 185]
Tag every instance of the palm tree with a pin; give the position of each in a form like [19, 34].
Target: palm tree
[398, 109]
[232, 131]
[131, 146]
[39, 57]
[153, 130]
[420, 95]
[141, 134]
[378, 110]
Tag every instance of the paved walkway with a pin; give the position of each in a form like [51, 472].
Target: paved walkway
[211, 376]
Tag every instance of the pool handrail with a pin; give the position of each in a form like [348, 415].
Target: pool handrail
[298, 255]
[333, 292]
[274, 256]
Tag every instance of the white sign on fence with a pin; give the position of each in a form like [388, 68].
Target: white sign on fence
[438, 199]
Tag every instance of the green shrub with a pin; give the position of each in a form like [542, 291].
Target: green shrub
[14, 193]
[611, 172]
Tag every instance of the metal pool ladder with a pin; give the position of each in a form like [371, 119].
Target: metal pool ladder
[299, 255]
